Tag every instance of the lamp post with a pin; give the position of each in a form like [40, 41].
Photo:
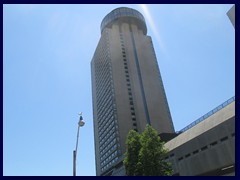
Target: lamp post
[80, 124]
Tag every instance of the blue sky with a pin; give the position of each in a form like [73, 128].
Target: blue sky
[47, 51]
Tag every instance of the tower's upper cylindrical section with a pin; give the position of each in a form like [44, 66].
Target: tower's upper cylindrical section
[124, 14]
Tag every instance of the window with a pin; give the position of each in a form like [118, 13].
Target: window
[213, 143]
[187, 155]
[181, 158]
[224, 139]
[204, 148]
[195, 152]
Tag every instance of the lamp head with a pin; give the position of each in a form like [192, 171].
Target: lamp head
[81, 123]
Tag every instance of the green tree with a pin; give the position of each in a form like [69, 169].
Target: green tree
[147, 160]
[131, 155]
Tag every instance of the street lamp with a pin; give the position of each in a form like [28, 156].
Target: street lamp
[80, 124]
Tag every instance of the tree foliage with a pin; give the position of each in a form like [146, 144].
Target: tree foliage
[131, 156]
[145, 154]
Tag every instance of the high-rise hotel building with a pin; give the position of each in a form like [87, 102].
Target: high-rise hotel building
[127, 88]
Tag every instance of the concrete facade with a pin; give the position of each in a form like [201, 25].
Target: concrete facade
[207, 148]
[127, 88]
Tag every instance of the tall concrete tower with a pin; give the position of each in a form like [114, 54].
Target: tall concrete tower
[127, 88]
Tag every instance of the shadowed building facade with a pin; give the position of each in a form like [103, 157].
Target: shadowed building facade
[207, 146]
[127, 88]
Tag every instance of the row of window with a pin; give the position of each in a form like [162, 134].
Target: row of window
[128, 83]
[103, 73]
[106, 106]
[106, 130]
[105, 111]
[105, 114]
[105, 80]
[103, 51]
[102, 54]
[102, 64]
[103, 127]
[103, 137]
[110, 144]
[211, 145]
[108, 158]
[106, 139]
[104, 91]
[111, 137]
[108, 100]
[109, 151]
[98, 50]
[104, 102]
[101, 103]
[207, 146]
[109, 164]
[106, 84]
